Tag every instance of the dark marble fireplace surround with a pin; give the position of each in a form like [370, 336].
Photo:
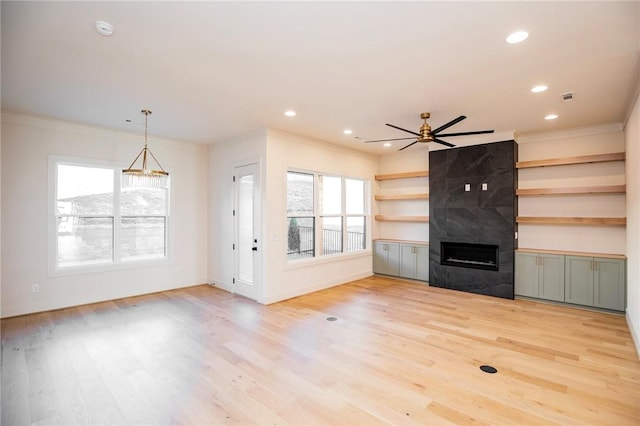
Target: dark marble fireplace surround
[484, 217]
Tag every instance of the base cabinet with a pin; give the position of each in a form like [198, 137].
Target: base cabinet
[406, 260]
[386, 258]
[581, 280]
[540, 275]
[596, 281]
[414, 261]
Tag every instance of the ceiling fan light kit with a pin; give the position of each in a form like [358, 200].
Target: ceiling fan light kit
[427, 135]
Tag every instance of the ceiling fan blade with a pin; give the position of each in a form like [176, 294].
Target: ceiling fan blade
[477, 132]
[444, 143]
[449, 124]
[404, 130]
[404, 147]
[386, 140]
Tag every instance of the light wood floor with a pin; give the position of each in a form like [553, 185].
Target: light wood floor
[398, 353]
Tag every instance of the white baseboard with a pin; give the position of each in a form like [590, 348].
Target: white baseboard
[634, 334]
[278, 297]
[221, 285]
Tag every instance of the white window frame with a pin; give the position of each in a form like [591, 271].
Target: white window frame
[117, 262]
[319, 256]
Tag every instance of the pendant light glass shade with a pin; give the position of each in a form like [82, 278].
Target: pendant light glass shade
[143, 176]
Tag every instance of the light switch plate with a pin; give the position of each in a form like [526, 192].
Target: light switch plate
[484, 186]
[467, 187]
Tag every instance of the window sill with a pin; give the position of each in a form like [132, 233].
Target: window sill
[107, 267]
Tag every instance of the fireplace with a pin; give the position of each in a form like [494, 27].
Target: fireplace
[476, 256]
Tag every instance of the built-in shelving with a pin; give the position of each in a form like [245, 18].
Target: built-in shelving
[585, 190]
[605, 221]
[381, 217]
[405, 175]
[599, 158]
[398, 197]
[421, 196]
[605, 189]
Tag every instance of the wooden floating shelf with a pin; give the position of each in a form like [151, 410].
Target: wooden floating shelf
[402, 218]
[608, 221]
[405, 175]
[422, 196]
[608, 189]
[600, 158]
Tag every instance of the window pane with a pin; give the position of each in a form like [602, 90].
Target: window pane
[84, 190]
[355, 233]
[331, 235]
[331, 194]
[299, 193]
[143, 201]
[245, 227]
[142, 238]
[354, 196]
[84, 240]
[300, 237]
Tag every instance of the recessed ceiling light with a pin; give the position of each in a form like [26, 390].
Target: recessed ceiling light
[517, 37]
[551, 116]
[386, 144]
[347, 131]
[290, 113]
[104, 28]
[538, 89]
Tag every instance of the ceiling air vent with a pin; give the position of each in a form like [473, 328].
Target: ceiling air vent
[567, 96]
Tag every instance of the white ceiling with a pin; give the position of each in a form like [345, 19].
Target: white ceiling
[213, 70]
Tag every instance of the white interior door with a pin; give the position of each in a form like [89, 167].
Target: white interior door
[247, 232]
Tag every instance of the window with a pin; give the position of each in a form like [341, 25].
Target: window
[99, 223]
[300, 215]
[340, 212]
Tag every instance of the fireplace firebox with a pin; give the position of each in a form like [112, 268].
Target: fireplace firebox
[465, 255]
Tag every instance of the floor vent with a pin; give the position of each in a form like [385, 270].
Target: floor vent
[488, 369]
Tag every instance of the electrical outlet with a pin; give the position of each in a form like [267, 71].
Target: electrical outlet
[484, 186]
[35, 288]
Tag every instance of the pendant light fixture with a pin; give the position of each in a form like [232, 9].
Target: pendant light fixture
[145, 177]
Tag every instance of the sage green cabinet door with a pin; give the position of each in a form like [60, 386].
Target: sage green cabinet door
[379, 257]
[422, 268]
[386, 258]
[609, 283]
[551, 277]
[579, 280]
[526, 274]
[414, 261]
[393, 259]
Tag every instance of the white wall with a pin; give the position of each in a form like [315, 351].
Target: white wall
[283, 279]
[27, 142]
[223, 158]
[587, 141]
[632, 137]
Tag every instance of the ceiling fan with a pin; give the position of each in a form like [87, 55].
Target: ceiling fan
[427, 135]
